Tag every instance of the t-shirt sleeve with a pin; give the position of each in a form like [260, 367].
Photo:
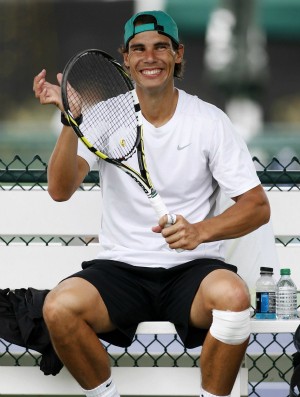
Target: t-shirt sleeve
[230, 161]
[85, 153]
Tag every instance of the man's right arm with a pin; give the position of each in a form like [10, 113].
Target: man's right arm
[66, 170]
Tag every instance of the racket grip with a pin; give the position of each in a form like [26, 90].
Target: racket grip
[161, 210]
[158, 206]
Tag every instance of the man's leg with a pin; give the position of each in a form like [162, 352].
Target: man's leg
[222, 354]
[220, 364]
[74, 312]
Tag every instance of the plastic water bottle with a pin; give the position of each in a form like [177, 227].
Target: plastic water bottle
[265, 295]
[286, 297]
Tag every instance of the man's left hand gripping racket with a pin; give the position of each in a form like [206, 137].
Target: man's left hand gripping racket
[96, 86]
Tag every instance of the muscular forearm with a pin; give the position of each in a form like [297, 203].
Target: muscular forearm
[66, 170]
[250, 211]
[63, 166]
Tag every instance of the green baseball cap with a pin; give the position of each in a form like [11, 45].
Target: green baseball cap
[164, 25]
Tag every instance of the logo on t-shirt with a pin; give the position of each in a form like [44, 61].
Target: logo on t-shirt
[183, 147]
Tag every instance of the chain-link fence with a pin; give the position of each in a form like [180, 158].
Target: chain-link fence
[269, 356]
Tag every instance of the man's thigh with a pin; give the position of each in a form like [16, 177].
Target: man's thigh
[80, 298]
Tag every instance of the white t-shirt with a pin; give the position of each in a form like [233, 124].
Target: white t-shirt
[190, 158]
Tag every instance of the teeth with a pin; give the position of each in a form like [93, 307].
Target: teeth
[151, 72]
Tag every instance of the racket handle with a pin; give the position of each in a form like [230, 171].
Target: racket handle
[161, 210]
[158, 206]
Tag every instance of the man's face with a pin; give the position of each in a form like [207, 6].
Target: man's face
[151, 60]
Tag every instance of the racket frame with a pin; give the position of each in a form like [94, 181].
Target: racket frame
[143, 178]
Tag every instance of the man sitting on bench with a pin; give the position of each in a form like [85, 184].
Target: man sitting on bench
[139, 276]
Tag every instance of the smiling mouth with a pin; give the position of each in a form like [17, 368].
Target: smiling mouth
[151, 72]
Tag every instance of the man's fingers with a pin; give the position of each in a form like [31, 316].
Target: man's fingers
[171, 220]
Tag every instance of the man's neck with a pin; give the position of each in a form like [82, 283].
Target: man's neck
[158, 109]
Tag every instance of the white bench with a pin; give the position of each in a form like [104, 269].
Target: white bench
[33, 213]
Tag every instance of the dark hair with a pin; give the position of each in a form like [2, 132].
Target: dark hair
[143, 19]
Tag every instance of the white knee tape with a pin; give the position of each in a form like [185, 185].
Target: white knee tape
[232, 328]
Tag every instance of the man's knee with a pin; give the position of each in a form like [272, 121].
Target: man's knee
[55, 309]
[231, 294]
[63, 304]
[223, 289]
[231, 328]
[237, 297]
[231, 311]
[74, 303]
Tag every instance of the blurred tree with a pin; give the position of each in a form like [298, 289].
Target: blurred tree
[235, 57]
[236, 61]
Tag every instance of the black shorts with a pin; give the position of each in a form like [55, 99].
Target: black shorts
[134, 294]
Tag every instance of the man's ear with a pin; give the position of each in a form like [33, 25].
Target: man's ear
[179, 55]
[125, 59]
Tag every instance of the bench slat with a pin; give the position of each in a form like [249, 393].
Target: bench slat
[39, 266]
[285, 212]
[289, 256]
[257, 326]
[130, 381]
[35, 213]
[43, 267]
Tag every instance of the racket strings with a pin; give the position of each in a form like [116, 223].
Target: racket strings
[97, 89]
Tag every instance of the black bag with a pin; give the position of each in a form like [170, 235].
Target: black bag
[22, 323]
[295, 379]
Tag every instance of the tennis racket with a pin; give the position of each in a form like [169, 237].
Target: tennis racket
[96, 86]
